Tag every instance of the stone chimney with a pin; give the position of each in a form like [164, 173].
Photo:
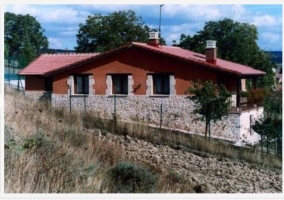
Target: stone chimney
[211, 52]
[154, 39]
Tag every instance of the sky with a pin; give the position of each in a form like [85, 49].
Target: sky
[61, 22]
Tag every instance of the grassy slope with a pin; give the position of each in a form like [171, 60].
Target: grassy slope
[47, 150]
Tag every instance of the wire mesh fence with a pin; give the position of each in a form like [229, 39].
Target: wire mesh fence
[271, 142]
[166, 118]
[12, 66]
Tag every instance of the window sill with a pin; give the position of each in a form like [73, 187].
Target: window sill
[79, 95]
[159, 96]
[118, 95]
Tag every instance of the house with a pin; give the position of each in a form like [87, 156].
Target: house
[138, 78]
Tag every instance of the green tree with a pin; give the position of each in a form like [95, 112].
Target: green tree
[236, 42]
[23, 37]
[6, 50]
[270, 125]
[273, 104]
[102, 33]
[211, 102]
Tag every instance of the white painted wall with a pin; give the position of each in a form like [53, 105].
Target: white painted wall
[245, 134]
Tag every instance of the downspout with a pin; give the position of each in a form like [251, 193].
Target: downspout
[238, 98]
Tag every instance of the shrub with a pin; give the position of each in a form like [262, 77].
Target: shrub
[131, 178]
[32, 142]
[244, 94]
[257, 96]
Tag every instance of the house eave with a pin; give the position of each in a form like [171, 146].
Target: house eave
[202, 63]
[86, 61]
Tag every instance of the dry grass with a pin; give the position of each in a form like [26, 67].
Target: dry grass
[60, 156]
[50, 151]
[178, 140]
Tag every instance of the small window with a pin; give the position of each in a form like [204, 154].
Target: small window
[48, 84]
[120, 84]
[161, 84]
[82, 84]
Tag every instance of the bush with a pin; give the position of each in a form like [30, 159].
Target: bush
[244, 94]
[257, 96]
[32, 142]
[131, 178]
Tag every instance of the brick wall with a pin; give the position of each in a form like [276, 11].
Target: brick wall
[129, 62]
[34, 83]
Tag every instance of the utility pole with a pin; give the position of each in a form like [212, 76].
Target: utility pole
[160, 21]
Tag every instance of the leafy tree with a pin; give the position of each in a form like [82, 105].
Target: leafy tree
[185, 42]
[6, 50]
[270, 125]
[211, 102]
[23, 37]
[102, 33]
[236, 42]
[273, 104]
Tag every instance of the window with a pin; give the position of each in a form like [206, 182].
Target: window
[120, 84]
[48, 84]
[161, 84]
[81, 84]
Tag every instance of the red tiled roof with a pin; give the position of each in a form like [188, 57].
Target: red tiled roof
[222, 65]
[48, 63]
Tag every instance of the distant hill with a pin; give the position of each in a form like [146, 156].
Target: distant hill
[276, 56]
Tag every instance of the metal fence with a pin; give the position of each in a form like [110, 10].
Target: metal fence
[163, 115]
[12, 66]
[269, 144]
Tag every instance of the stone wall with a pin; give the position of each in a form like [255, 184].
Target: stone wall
[174, 111]
[38, 95]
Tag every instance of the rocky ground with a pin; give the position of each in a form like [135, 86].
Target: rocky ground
[212, 175]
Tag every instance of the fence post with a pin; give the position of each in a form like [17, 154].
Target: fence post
[18, 84]
[279, 142]
[161, 116]
[261, 140]
[114, 111]
[9, 71]
[85, 103]
[70, 100]
[250, 123]
[267, 142]
[114, 115]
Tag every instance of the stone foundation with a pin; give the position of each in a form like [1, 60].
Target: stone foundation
[174, 112]
[38, 95]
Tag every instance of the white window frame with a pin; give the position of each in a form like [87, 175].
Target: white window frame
[150, 86]
[109, 84]
[71, 85]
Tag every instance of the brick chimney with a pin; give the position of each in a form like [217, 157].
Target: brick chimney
[154, 39]
[211, 52]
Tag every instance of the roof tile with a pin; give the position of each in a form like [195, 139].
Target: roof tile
[200, 58]
[51, 63]
[47, 63]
